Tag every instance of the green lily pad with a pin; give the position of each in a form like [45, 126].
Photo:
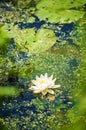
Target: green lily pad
[29, 41]
[60, 4]
[42, 41]
[65, 16]
[60, 11]
[4, 40]
[9, 91]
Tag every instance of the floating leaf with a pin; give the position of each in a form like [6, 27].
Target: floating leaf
[60, 4]
[8, 91]
[29, 41]
[60, 11]
[4, 40]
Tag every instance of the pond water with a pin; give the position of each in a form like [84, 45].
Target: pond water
[43, 44]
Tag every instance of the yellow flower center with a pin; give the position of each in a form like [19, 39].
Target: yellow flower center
[42, 81]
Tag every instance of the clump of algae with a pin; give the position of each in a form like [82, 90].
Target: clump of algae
[77, 113]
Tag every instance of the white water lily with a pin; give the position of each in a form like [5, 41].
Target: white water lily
[44, 84]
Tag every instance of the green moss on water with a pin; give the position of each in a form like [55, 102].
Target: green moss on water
[27, 4]
[77, 114]
[2, 125]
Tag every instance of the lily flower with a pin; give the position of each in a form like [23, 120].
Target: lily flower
[44, 85]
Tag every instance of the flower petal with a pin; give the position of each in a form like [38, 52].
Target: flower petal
[51, 91]
[34, 88]
[46, 75]
[37, 77]
[51, 77]
[35, 82]
[41, 76]
[44, 92]
[56, 86]
[51, 84]
[54, 80]
[36, 91]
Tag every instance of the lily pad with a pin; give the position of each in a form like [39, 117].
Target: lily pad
[9, 91]
[42, 41]
[65, 16]
[60, 4]
[60, 11]
[29, 41]
[4, 40]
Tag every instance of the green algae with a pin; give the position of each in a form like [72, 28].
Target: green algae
[77, 113]
[9, 69]
[47, 62]
[26, 70]
[28, 4]
[2, 125]
[38, 103]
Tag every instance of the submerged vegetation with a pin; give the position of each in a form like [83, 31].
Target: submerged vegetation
[39, 37]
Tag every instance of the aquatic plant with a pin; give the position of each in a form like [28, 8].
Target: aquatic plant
[4, 40]
[29, 41]
[27, 4]
[77, 113]
[62, 60]
[8, 91]
[44, 85]
[60, 11]
[2, 125]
